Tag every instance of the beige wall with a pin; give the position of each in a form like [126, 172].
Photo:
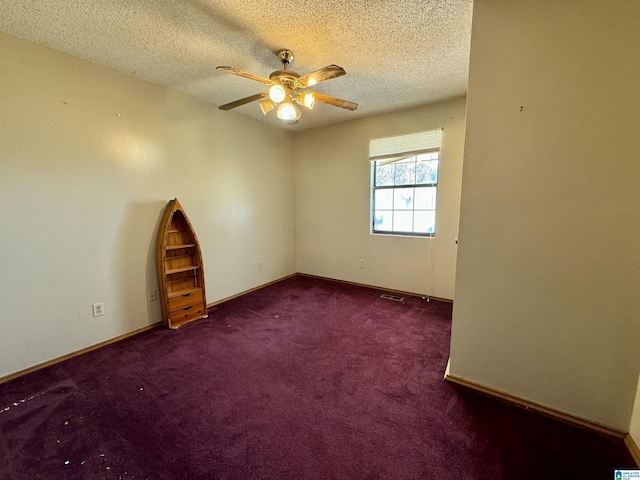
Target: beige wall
[548, 278]
[332, 204]
[88, 159]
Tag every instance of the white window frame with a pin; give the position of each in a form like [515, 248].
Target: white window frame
[404, 150]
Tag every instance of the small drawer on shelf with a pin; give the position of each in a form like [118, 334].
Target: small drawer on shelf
[186, 314]
[182, 301]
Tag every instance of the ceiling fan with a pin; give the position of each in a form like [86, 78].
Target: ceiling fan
[287, 89]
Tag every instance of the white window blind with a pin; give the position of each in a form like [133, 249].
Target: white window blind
[403, 145]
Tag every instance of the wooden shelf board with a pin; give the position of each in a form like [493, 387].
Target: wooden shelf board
[176, 247]
[180, 293]
[178, 323]
[182, 269]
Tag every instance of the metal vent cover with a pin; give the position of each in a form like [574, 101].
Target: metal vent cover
[392, 297]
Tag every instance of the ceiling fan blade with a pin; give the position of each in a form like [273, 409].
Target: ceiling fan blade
[240, 73]
[322, 75]
[336, 102]
[242, 101]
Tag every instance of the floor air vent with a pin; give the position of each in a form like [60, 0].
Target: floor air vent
[391, 297]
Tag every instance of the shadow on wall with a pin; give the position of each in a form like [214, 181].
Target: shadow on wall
[135, 276]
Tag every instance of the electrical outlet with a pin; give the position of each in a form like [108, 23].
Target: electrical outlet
[98, 309]
[361, 263]
[259, 265]
[152, 295]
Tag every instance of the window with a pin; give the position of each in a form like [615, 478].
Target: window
[404, 183]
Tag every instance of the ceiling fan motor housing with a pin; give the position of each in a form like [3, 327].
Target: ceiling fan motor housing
[285, 77]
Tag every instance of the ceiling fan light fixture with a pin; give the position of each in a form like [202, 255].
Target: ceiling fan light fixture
[277, 93]
[266, 106]
[307, 99]
[287, 111]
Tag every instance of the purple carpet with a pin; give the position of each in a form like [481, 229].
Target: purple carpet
[304, 379]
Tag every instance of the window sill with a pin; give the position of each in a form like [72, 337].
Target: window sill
[402, 235]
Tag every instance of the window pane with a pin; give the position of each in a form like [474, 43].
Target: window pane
[383, 220]
[403, 198]
[383, 199]
[425, 198]
[405, 172]
[427, 171]
[403, 221]
[424, 222]
[384, 175]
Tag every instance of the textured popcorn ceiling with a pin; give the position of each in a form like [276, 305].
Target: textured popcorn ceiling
[397, 54]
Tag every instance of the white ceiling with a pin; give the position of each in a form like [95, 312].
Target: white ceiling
[397, 54]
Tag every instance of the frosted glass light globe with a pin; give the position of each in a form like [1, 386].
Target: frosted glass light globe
[277, 93]
[286, 111]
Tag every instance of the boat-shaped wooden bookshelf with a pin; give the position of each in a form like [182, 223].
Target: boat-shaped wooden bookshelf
[180, 270]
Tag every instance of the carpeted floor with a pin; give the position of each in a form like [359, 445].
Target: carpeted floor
[304, 379]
